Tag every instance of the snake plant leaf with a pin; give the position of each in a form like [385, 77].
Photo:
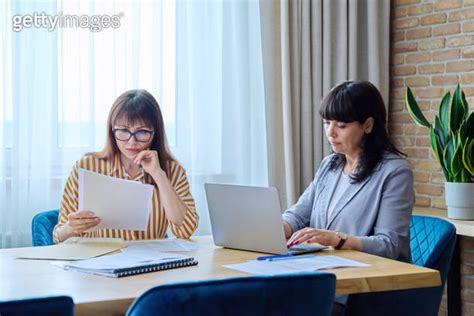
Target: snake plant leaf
[438, 150]
[465, 176]
[414, 110]
[465, 104]
[456, 165]
[468, 156]
[462, 132]
[458, 109]
[466, 130]
[451, 135]
[447, 154]
[441, 132]
[443, 112]
[470, 126]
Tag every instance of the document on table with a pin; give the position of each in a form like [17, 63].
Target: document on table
[75, 248]
[119, 203]
[163, 245]
[129, 263]
[294, 265]
[124, 260]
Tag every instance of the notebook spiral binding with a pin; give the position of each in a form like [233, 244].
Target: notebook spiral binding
[156, 267]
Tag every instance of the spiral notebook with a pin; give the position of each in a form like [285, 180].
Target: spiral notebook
[130, 263]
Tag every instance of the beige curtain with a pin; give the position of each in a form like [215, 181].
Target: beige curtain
[308, 47]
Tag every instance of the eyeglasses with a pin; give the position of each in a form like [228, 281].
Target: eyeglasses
[141, 135]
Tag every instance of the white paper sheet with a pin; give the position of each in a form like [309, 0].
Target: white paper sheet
[131, 262]
[165, 245]
[119, 203]
[124, 260]
[294, 265]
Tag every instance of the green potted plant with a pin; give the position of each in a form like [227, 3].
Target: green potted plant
[452, 142]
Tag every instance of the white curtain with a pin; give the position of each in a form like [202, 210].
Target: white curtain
[220, 98]
[201, 60]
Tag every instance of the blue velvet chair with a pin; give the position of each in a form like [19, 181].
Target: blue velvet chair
[432, 243]
[296, 294]
[42, 227]
[51, 306]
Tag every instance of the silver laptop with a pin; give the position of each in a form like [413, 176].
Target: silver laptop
[249, 218]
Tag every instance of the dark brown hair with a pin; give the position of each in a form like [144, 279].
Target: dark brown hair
[136, 106]
[356, 101]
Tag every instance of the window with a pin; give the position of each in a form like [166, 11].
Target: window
[200, 59]
[95, 67]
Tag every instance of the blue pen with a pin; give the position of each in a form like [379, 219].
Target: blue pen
[290, 257]
[275, 256]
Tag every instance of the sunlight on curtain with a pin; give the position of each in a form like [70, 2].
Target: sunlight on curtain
[57, 88]
[219, 96]
[27, 103]
[95, 68]
[200, 59]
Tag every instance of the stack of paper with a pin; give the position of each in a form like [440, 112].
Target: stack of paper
[294, 265]
[129, 263]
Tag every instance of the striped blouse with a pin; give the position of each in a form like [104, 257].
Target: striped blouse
[157, 222]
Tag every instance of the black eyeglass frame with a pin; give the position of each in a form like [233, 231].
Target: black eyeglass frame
[132, 134]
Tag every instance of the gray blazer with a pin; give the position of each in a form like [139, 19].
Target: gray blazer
[377, 210]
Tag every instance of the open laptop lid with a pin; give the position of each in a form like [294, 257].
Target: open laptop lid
[248, 218]
[245, 217]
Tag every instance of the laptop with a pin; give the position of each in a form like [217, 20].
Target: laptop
[249, 218]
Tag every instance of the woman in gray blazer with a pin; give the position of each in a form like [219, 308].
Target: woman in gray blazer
[362, 195]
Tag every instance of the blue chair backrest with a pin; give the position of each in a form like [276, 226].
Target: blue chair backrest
[296, 294]
[432, 243]
[42, 227]
[51, 306]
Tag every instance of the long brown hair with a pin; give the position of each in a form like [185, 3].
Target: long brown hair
[137, 106]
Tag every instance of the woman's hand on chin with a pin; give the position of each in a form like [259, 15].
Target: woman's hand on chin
[149, 161]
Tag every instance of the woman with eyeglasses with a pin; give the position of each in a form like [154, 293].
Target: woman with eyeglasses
[136, 149]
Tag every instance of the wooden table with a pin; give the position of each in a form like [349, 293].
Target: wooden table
[108, 296]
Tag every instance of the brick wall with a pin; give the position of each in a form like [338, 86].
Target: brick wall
[432, 49]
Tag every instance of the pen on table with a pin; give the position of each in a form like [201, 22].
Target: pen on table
[282, 257]
[290, 257]
[274, 256]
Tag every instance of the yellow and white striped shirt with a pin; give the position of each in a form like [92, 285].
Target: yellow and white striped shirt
[157, 222]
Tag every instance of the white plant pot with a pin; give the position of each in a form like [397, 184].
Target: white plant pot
[460, 200]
